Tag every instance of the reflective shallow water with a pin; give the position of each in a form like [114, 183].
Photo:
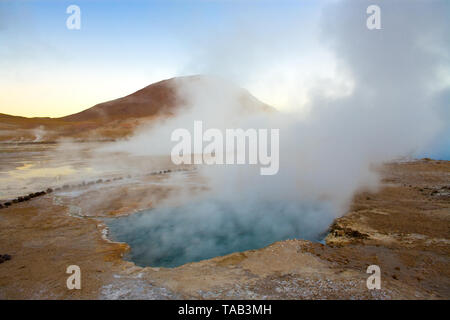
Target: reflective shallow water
[27, 168]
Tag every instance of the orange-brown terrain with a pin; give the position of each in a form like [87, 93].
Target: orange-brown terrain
[403, 228]
[108, 120]
[116, 119]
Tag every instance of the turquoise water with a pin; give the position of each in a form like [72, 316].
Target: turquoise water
[172, 236]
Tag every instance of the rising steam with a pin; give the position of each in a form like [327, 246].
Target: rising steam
[399, 76]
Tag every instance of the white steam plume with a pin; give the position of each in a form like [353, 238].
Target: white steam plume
[399, 75]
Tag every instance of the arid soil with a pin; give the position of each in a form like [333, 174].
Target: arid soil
[404, 228]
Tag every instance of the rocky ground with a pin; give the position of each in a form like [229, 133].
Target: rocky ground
[404, 228]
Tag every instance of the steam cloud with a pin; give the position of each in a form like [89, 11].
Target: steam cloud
[397, 107]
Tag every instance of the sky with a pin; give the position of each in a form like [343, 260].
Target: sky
[291, 54]
[48, 70]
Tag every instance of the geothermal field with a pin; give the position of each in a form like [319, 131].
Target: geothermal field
[225, 150]
[141, 227]
[138, 235]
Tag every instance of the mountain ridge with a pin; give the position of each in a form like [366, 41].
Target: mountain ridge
[112, 119]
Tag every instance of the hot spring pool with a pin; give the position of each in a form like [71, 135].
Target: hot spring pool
[172, 236]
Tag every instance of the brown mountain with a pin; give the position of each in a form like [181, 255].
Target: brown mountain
[113, 119]
[156, 99]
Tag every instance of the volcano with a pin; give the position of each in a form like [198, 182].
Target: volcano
[116, 118]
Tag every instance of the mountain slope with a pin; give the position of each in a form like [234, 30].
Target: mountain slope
[156, 99]
[116, 118]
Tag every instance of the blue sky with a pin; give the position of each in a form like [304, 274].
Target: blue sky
[48, 70]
